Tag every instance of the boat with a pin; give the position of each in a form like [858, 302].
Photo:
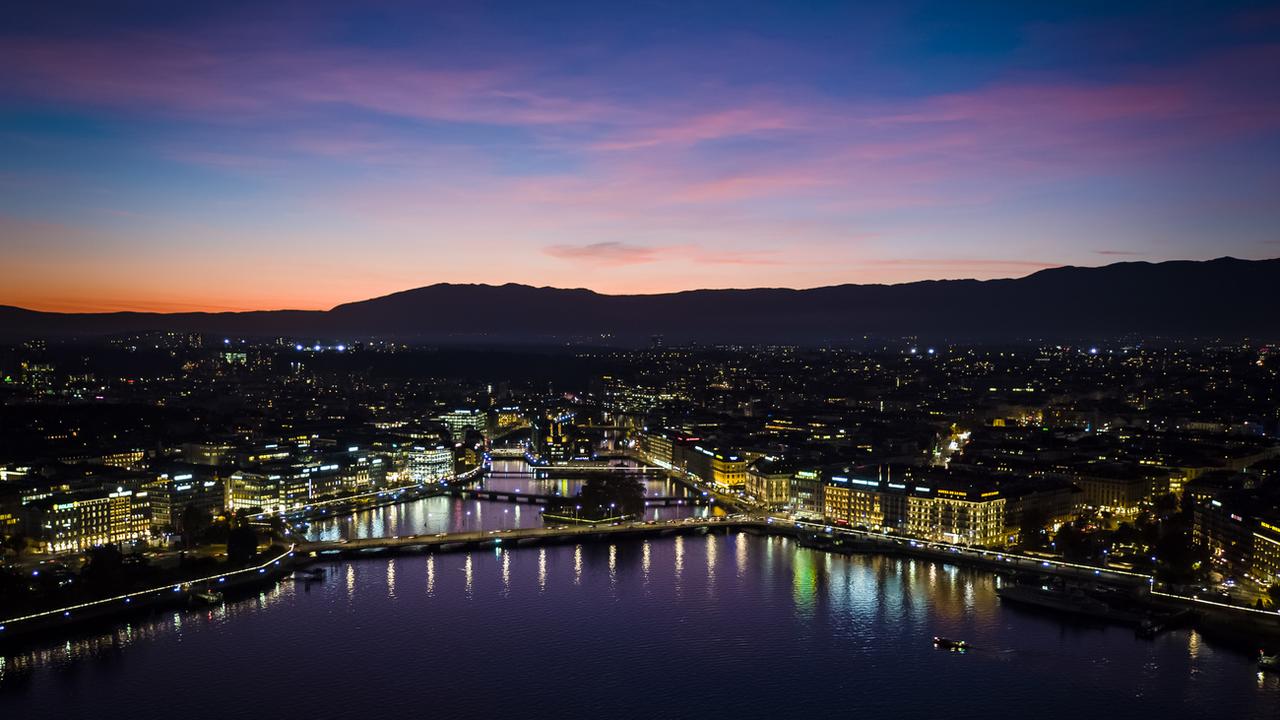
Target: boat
[311, 575]
[207, 597]
[949, 644]
[1153, 626]
[1268, 662]
[1072, 602]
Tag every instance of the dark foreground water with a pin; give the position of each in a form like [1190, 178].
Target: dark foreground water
[732, 626]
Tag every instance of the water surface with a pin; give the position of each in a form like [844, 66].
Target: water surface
[734, 626]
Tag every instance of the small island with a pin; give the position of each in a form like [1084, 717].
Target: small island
[604, 498]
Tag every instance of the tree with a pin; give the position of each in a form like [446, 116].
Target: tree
[242, 544]
[1031, 528]
[16, 542]
[1166, 504]
[105, 566]
[612, 494]
[193, 523]
[1072, 542]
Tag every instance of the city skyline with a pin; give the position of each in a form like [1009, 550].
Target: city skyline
[299, 157]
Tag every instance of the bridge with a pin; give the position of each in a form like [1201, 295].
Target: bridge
[455, 542]
[812, 535]
[515, 496]
[590, 466]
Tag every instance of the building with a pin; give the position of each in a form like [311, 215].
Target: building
[552, 434]
[958, 516]
[1118, 487]
[281, 487]
[955, 513]
[207, 453]
[173, 491]
[75, 522]
[506, 418]
[1222, 527]
[429, 464]
[1264, 561]
[769, 481]
[722, 468]
[458, 422]
[264, 491]
[655, 446]
[805, 493]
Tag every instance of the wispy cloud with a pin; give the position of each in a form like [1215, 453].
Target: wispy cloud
[612, 254]
[605, 253]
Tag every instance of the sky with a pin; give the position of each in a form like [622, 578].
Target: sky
[175, 156]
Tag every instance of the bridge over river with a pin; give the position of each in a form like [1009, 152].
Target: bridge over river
[814, 535]
[515, 496]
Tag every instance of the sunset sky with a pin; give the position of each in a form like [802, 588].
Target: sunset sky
[167, 157]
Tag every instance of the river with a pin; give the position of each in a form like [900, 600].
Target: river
[449, 514]
[718, 626]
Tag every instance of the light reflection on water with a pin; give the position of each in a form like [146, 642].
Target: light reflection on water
[448, 514]
[765, 626]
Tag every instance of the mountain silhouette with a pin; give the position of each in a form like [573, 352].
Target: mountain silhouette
[1224, 298]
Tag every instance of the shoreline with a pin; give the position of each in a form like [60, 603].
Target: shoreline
[1231, 619]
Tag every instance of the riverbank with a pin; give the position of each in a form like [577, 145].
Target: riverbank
[811, 535]
[25, 627]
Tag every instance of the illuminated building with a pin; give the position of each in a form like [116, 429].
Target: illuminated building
[971, 516]
[363, 471]
[1119, 488]
[172, 492]
[74, 522]
[552, 432]
[123, 458]
[509, 417]
[458, 422]
[957, 516]
[283, 487]
[265, 491]
[430, 464]
[656, 447]
[38, 377]
[1264, 562]
[724, 469]
[1221, 527]
[769, 482]
[805, 494]
[207, 453]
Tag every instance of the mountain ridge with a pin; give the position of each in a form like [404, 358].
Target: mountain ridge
[1183, 298]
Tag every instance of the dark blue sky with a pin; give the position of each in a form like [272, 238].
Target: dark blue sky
[306, 154]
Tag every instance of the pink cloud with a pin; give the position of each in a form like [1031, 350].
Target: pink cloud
[604, 253]
[613, 254]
